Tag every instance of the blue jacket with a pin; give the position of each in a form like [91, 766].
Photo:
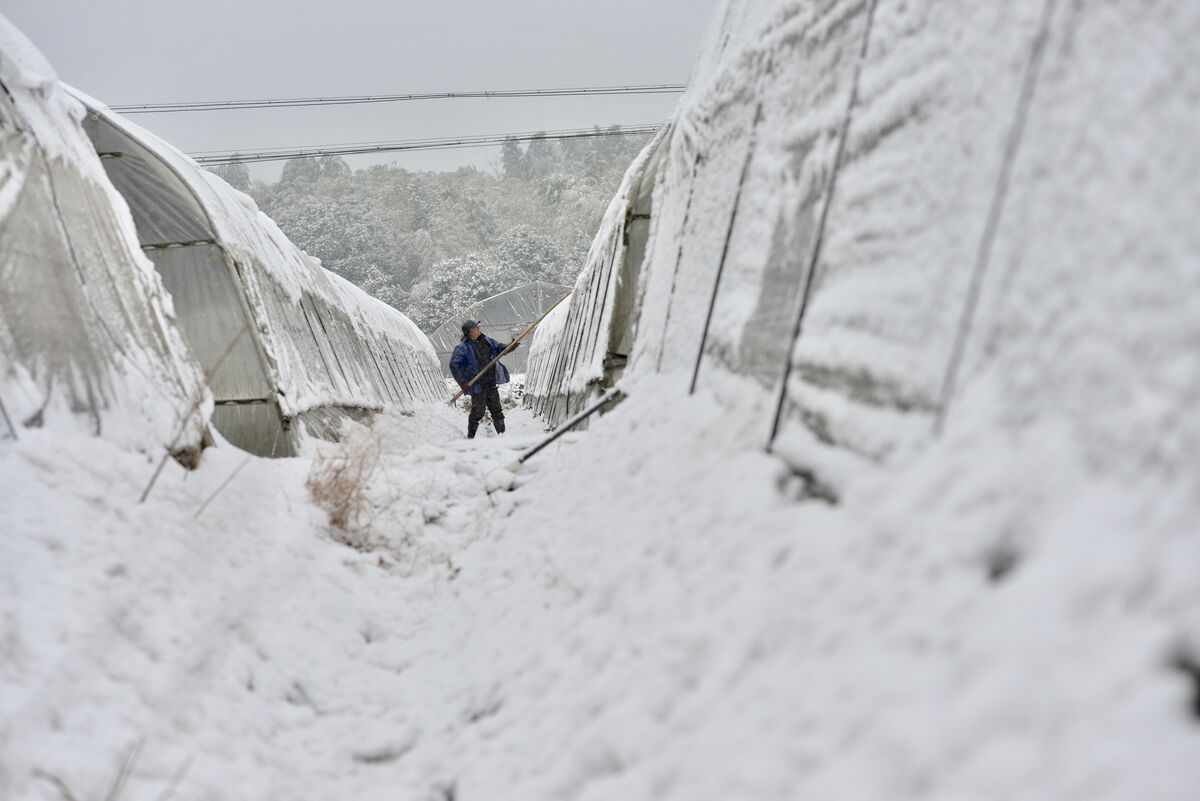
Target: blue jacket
[464, 366]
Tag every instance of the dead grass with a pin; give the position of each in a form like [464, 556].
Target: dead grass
[340, 482]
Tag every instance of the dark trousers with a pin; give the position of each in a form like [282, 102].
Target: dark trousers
[487, 399]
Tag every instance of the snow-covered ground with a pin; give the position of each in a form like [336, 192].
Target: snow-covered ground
[238, 636]
[600, 631]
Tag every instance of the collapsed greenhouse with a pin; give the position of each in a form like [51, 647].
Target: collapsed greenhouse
[501, 317]
[289, 348]
[86, 338]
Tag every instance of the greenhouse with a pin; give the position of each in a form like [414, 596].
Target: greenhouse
[86, 341]
[584, 346]
[845, 281]
[289, 349]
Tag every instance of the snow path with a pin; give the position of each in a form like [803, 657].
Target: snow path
[244, 640]
[650, 613]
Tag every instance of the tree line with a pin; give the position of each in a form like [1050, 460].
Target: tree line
[430, 243]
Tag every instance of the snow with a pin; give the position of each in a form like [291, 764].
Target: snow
[597, 633]
[48, 114]
[87, 334]
[659, 608]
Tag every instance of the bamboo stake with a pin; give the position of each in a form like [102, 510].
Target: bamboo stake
[195, 407]
[613, 395]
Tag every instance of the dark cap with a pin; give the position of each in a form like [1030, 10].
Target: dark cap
[468, 325]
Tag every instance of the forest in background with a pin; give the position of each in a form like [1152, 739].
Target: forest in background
[430, 243]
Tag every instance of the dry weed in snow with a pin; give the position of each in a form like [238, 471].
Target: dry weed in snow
[386, 486]
[340, 483]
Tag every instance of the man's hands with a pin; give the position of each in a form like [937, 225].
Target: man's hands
[512, 346]
[465, 389]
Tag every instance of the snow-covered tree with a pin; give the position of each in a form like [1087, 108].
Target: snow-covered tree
[542, 158]
[236, 174]
[455, 284]
[524, 254]
[431, 243]
[511, 156]
[300, 171]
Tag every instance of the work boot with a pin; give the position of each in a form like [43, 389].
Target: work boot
[471, 429]
[499, 425]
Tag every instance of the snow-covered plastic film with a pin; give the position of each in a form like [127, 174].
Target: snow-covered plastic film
[870, 209]
[585, 347]
[86, 338]
[289, 348]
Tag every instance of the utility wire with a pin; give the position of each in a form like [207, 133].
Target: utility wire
[298, 102]
[213, 158]
[595, 130]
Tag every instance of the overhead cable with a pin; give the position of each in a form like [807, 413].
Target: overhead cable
[211, 158]
[297, 102]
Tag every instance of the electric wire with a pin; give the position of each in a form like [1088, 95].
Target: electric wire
[237, 156]
[347, 100]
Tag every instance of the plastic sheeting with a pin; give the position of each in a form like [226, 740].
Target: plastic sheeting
[501, 317]
[767, 235]
[85, 337]
[290, 349]
[585, 347]
[866, 202]
[166, 212]
[771, 238]
[209, 308]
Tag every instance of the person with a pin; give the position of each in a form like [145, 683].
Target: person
[469, 357]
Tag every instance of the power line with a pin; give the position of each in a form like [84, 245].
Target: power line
[212, 158]
[521, 136]
[297, 102]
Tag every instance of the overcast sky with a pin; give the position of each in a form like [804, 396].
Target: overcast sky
[144, 51]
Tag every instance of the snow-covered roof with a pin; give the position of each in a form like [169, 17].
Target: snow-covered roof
[87, 337]
[567, 357]
[177, 202]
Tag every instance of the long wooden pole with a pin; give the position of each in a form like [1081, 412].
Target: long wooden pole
[611, 396]
[511, 345]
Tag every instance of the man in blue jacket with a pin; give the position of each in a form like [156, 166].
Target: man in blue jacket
[470, 356]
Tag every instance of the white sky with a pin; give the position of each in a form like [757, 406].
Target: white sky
[135, 51]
